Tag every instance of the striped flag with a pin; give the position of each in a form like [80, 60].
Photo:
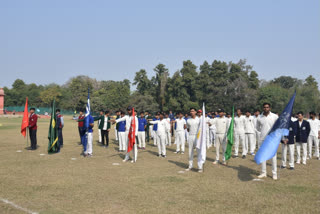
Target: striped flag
[53, 147]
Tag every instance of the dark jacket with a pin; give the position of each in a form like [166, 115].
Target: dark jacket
[302, 133]
[101, 124]
[33, 118]
[292, 132]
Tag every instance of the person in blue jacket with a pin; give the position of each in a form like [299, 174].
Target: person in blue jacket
[288, 142]
[302, 133]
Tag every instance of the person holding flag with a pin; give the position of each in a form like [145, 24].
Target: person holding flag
[273, 130]
[33, 118]
[131, 133]
[230, 138]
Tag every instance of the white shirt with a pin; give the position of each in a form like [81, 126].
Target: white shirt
[162, 126]
[249, 126]
[192, 125]
[180, 124]
[105, 124]
[314, 127]
[168, 125]
[265, 123]
[221, 124]
[293, 119]
[239, 123]
[128, 119]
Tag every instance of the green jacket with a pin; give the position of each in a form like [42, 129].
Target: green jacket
[101, 118]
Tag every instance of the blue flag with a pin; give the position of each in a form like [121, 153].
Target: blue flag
[280, 128]
[86, 124]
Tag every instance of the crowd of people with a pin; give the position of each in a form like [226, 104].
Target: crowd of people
[250, 131]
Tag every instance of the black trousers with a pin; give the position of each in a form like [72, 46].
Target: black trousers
[60, 137]
[33, 138]
[105, 135]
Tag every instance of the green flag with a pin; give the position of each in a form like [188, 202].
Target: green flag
[53, 131]
[230, 138]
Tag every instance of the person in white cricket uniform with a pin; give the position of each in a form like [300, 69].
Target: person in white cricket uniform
[161, 134]
[168, 130]
[180, 125]
[249, 129]
[257, 133]
[313, 136]
[264, 124]
[128, 119]
[221, 123]
[186, 117]
[192, 126]
[212, 132]
[239, 134]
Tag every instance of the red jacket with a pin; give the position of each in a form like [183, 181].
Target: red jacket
[80, 124]
[33, 121]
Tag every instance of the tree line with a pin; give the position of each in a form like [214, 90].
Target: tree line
[218, 85]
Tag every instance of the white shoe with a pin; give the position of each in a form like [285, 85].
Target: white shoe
[125, 160]
[304, 163]
[132, 161]
[200, 170]
[298, 162]
[274, 177]
[215, 162]
[308, 158]
[262, 176]
[182, 153]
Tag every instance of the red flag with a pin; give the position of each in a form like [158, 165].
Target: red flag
[25, 120]
[132, 132]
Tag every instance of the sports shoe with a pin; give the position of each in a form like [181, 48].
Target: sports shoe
[262, 176]
[243, 157]
[182, 153]
[176, 152]
[224, 163]
[291, 168]
[200, 170]
[304, 163]
[274, 177]
[215, 162]
[282, 167]
[235, 156]
[298, 162]
[124, 160]
[252, 154]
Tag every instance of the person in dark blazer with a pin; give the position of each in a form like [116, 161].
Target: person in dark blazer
[302, 133]
[33, 118]
[104, 126]
[288, 142]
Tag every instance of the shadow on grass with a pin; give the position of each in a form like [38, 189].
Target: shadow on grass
[244, 173]
[179, 164]
[152, 152]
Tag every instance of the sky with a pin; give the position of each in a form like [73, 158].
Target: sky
[46, 42]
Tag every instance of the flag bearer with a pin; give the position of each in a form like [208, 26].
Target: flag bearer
[192, 126]
[302, 134]
[88, 152]
[60, 125]
[288, 142]
[313, 136]
[239, 134]
[264, 124]
[221, 123]
[141, 131]
[128, 118]
[180, 125]
[161, 134]
[250, 140]
[33, 118]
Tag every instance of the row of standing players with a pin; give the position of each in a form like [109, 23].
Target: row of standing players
[247, 131]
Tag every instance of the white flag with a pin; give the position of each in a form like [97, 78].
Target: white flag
[202, 138]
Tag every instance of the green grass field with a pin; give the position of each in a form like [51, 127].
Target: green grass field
[59, 184]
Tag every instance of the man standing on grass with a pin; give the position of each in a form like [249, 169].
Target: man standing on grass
[141, 131]
[80, 125]
[180, 125]
[60, 125]
[168, 129]
[33, 118]
[250, 140]
[288, 142]
[222, 124]
[161, 135]
[264, 124]
[104, 127]
[100, 118]
[128, 118]
[239, 134]
[154, 129]
[147, 129]
[192, 126]
[257, 133]
[122, 133]
[88, 152]
[302, 134]
[313, 136]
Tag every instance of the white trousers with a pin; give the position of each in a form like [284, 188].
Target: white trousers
[251, 141]
[311, 140]
[284, 154]
[122, 140]
[220, 142]
[134, 153]
[304, 152]
[100, 138]
[192, 145]
[180, 140]
[89, 143]
[168, 138]
[187, 134]
[240, 138]
[116, 133]
[161, 141]
[142, 139]
[212, 134]
[155, 137]
[258, 139]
